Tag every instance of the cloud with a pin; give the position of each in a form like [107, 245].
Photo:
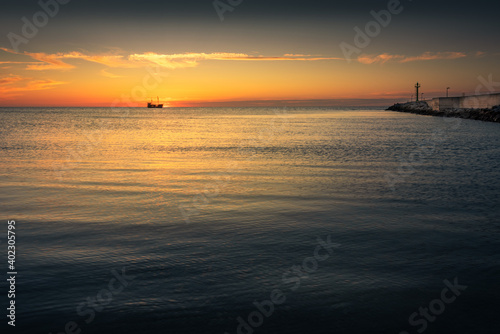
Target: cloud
[55, 61]
[15, 62]
[434, 56]
[45, 61]
[184, 60]
[296, 55]
[117, 61]
[48, 62]
[58, 61]
[370, 59]
[385, 57]
[14, 85]
[174, 61]
[10, 79]
[107, 74]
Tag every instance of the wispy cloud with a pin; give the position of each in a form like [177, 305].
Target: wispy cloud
[15, 85]
[48, 62]
[105, 73]
[296, 55]
[16, 62]
[184, 60]
[385, 57]
[58, 61]
[10, 79]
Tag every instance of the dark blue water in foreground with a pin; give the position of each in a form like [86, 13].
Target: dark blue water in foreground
[194, 220]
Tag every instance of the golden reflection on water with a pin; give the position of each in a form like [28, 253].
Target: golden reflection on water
[96, 164]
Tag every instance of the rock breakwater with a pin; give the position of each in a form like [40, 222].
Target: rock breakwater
[422, 108]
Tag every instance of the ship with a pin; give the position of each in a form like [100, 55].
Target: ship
[157, 105]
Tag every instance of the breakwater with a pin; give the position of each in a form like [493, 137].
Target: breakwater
[423, 108]
[479, 101]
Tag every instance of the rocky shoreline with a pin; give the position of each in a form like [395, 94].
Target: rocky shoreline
[422, 108]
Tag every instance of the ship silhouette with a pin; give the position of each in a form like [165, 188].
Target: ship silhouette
[157, 105]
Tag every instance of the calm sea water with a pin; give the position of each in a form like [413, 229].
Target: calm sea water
[191, 220]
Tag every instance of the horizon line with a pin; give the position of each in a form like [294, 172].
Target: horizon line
[348, 102]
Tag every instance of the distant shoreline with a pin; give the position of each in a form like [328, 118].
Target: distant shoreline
[422, 108]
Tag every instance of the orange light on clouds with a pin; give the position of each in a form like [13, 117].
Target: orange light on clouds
[79, 78]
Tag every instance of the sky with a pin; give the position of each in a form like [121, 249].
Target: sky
[244, 52]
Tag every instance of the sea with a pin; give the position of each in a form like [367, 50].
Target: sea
[248, 220]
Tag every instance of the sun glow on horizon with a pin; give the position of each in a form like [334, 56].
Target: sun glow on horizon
[130, 79]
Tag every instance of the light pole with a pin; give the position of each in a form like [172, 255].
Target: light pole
[417, 86]
[447, 89]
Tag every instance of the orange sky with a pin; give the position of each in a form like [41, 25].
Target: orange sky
[120, 78]
[195, 62]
